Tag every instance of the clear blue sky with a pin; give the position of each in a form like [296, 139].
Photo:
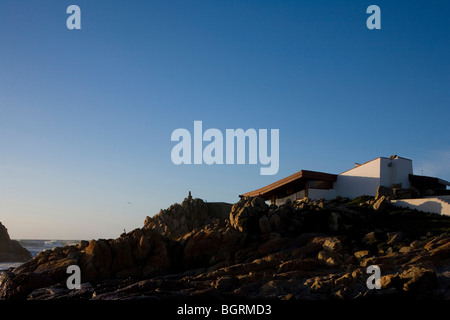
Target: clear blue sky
[86, 115]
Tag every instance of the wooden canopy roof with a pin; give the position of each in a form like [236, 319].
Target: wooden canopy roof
[296, 181]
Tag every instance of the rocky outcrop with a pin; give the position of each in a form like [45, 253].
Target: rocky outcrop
[11, 250]
[298, 251]
[180, 219]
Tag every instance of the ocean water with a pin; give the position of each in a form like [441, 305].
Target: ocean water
[36, 246]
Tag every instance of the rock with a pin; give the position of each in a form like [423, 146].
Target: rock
[405, 249]
[395, 237]
[332, 244]
[208, 246]
[310, 249]
[441, 252]
[329, 258]
[225, 283]
[331, 283]
[400, 193]
[11, 250]
[361, 254]
[97, 260]
[17, 287]
[262, 252]
[183, 218]
[416, 244]
[390, 281]
[307, 264]
[56, 269]
[436, 242]
[381, 204]
[418, 280]
[264, 225]
[370, 238]
[245, 214]
[272, 245]
[383, 191]
[334, 221]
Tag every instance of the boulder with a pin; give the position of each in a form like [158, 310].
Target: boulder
[381, 204]
[332, 244]
[208, 246]
[390, 281]
[370, 238]
[441, 252]
[245, 214]
[418, 279]
[11, 250]
[361, 254]
[334, 221]
[383, 191]
[395, 237]
[264, 225]
[330, 258]
[17, 287]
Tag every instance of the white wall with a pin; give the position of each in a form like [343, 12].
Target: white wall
[397, 172]
[362, 180]
[439, 204]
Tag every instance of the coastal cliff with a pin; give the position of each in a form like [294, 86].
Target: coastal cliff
[11, 250]
[304, 250]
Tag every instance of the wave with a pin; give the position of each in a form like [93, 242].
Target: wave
[8, 265]
[35, 246]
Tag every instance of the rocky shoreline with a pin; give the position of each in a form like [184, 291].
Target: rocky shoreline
[11, 250]
[304, 250]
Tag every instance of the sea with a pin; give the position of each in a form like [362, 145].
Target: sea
[36, 246]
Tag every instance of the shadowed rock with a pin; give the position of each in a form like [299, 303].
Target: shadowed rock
[11, 250]
[298, 251]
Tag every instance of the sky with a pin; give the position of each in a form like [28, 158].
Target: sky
[86, 116]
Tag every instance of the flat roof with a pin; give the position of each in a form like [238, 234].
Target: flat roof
[427, 179]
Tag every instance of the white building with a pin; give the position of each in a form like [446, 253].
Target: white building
[363, 179]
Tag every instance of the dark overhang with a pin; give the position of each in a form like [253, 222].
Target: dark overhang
[294, 183]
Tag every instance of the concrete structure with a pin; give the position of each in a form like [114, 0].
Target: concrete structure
[363, 179]
[439, 204]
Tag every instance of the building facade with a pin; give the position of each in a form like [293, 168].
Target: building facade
[362, 179]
